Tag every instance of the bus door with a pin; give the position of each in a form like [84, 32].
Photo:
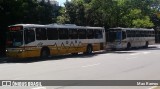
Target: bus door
[118, 38]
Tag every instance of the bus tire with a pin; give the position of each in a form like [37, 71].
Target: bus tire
[146, 45]
[45, 52]
[89, 49]
[128, 46]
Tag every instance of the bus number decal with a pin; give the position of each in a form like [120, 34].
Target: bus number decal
[39, 44]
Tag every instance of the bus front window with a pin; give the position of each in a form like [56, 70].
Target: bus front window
[15, 39]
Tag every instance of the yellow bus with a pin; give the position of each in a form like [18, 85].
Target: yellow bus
[33, 40]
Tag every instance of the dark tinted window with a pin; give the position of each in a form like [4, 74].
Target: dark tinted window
[41, 34]
[133, 33]
[82, 34]
[112, 36]
[123, 35]
[98, 33]
[73, 34]
[63, 33]
[128, 33]
[137, 33]
[90, 33]
[29, 35]
[52, 34]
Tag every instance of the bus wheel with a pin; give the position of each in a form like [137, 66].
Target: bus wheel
[45, 53]
[128, 46]
[146, 45]
[89, 49]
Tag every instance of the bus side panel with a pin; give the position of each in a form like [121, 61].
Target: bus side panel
[32, 52]
[64, 49]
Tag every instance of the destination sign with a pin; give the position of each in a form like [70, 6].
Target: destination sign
[15, 28]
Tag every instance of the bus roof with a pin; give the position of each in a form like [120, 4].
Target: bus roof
[125, 29]
[57, 26]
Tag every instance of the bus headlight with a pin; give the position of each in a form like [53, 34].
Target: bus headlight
[6, 50]
[21, 50]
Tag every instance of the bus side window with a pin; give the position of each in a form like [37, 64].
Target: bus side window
[98, 33]
[63, 33]
[73, 34]
[146, 34]
[52, 33]
[149, 34]
[123, 34]
[138, 34]
[90, 33]
[82, 33]
[133, 33]
[128, 33]
[142, 33]
[41, 34]
[29, 36]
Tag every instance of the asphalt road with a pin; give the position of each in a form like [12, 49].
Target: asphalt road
[136, 64]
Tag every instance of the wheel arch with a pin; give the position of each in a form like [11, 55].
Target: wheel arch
[45, 48]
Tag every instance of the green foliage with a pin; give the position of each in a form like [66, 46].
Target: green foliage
[144, 22]
[75, 12]
[112, 13]
[62, 19]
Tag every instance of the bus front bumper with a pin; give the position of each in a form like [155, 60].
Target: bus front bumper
[18, 53]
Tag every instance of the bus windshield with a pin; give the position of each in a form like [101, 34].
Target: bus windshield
[15, 39]
[115, 35]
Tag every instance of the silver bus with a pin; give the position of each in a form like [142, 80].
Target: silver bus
[127, 38]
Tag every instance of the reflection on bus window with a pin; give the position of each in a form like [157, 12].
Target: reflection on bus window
[98, 34]
[29, 36]
[41, 34]
[15, 39]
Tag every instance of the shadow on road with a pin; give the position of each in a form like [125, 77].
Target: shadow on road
[149, 48]
[60, 57]
[63, 57]
[36, 59]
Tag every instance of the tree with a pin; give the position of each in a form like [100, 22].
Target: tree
[75, 12]
[63, 18]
